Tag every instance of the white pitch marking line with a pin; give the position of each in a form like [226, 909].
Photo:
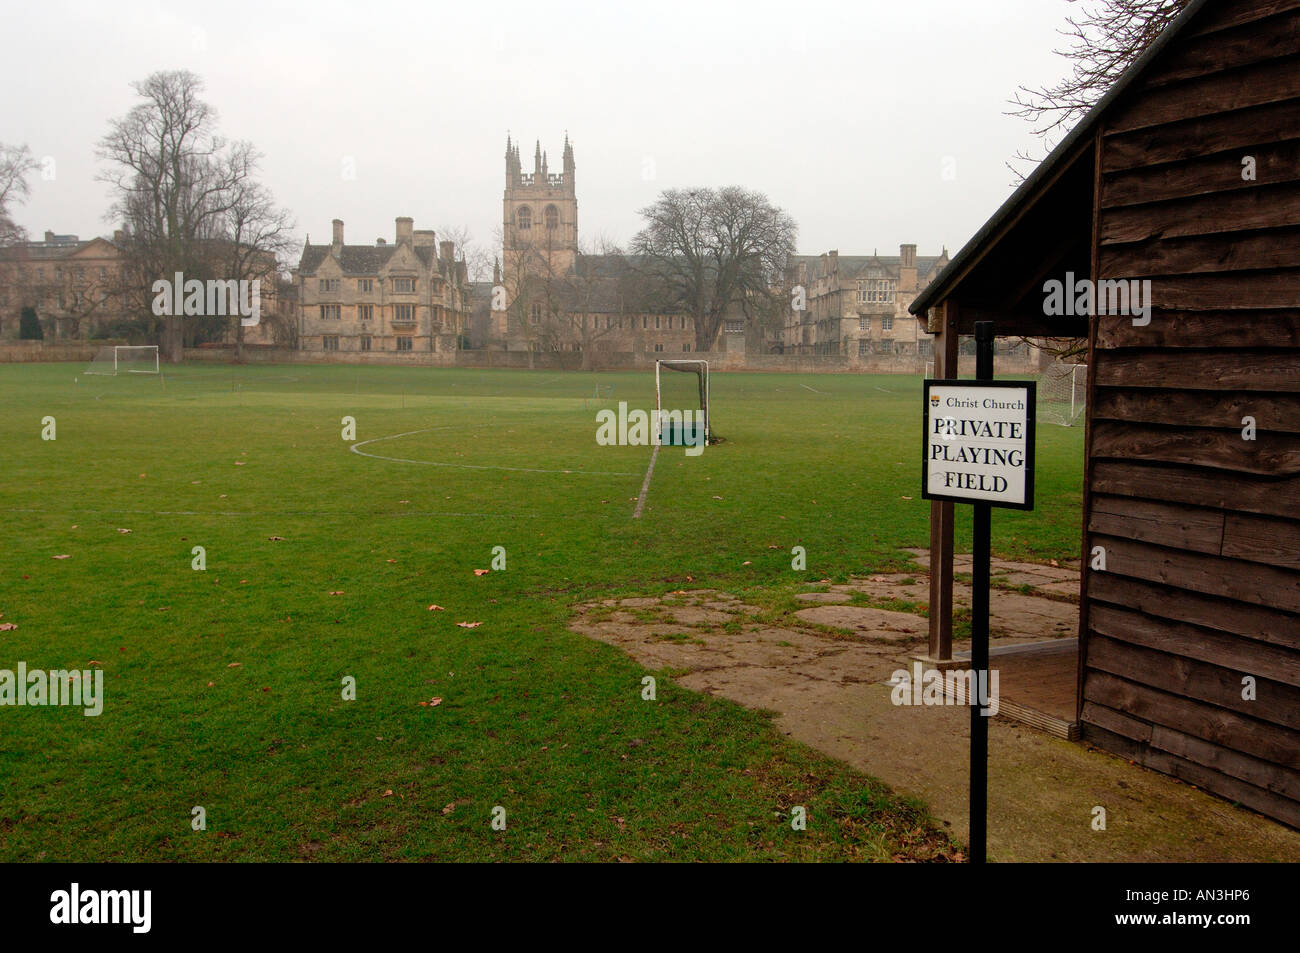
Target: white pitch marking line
[645, 484]
[356, 448]
[815, 390]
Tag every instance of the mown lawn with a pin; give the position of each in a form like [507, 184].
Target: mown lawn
[224, 686]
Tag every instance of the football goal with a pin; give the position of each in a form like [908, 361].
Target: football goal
[682, 403]
[125, 359]
[1062, 393]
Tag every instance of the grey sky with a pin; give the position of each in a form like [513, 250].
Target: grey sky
[841, 112]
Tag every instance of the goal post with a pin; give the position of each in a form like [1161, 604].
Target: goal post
[685, 388]
[114, 359]
[1062, 393]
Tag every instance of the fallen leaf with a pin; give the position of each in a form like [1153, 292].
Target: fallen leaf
[240, 463]
[403, 501]
[481, 572]
[747, 563]
[94, 661]
[235, 665]
[1053, 562]
[449, 808]
[8, 626]
[60, 556]
[436, 608]
[123, 530]
[392, 560]
[435, 702]
[276, 539]
[388, 793]
[717, 497]
[337, 592]
[907, 497]
[210, 684]
[469, 625]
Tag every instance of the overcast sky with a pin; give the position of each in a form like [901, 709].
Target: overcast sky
[843, 113]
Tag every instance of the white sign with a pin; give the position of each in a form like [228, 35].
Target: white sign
[979, 442]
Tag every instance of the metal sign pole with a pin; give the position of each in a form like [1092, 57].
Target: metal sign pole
[979, 632]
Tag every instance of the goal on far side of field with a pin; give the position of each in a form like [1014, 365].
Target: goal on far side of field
[1062, 393]
[684, 388]
[125, 359]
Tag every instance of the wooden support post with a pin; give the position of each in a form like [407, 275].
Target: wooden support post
[941, 513]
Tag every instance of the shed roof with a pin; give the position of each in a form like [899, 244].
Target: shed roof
[1048, 173]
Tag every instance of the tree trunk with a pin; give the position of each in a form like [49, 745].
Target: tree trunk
[175, 338]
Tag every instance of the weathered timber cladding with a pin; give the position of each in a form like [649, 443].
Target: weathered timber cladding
[1201, 527]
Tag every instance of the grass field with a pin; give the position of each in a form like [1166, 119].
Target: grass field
[223, 686]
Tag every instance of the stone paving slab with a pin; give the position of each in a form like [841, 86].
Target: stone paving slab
[830, 693]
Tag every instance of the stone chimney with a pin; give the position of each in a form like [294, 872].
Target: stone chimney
[447, 251]
[907, 268]
[337, 241]
[404, 226]
[49, 236]
[119, 236]
[425, 236]
[381, 241]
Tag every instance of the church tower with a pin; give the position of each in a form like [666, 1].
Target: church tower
[540, 214]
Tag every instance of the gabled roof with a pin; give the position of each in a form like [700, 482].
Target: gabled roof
[857, 266]
[365, 260]
[1042, 176]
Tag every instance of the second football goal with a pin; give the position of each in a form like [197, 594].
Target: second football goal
[125, 359]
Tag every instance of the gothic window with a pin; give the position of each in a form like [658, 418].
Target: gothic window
[552, 218]
[525, 218]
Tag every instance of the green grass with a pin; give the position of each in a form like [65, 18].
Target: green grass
[544, 722]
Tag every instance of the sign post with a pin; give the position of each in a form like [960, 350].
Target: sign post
[979, 449]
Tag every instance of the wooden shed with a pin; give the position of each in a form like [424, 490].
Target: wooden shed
[1186, 174]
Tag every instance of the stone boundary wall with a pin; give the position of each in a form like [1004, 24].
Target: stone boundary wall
[72, 351]
[13, 352]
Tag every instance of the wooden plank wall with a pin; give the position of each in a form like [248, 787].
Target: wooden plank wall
[1201, 528]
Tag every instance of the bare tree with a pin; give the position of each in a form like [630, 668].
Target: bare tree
[185, 194]
[596, 296]
[254, 236]
[478, 258]
[710, 249]
[16, 164]
[1106, 37]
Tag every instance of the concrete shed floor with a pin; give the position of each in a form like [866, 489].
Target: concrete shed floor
[824, 666]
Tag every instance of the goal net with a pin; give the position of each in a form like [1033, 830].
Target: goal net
[682, 403]
[1062, 393]
[125, 359]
